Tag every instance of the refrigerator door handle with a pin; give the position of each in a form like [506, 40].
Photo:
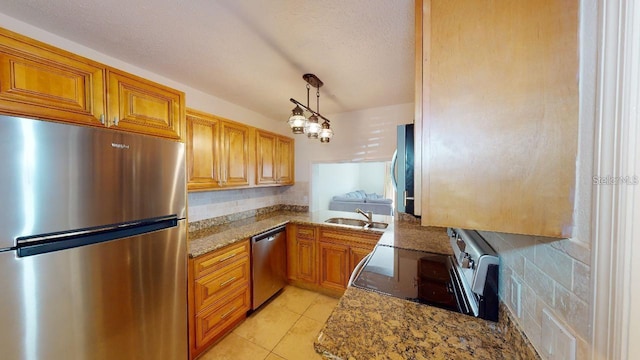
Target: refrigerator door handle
[394, 164]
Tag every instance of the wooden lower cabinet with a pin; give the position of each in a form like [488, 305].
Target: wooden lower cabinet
[322, 258]
[219, 294]
[305, 257]
[334, 263]
[212, 323]
[355, 255]
[301, 253]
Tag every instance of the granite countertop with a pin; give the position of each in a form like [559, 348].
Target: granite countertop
[215, 237]
[368, 325]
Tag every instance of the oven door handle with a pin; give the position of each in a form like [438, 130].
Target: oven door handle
[358, 268]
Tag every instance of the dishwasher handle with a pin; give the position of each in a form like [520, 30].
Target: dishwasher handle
[268, 235]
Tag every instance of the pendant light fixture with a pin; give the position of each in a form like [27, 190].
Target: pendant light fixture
[300, 124]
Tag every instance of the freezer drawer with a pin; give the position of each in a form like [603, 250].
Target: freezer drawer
[120, 299]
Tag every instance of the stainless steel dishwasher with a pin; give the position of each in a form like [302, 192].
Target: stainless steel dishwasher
[268, 265]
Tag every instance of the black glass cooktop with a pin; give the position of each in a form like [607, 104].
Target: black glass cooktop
[417, 276]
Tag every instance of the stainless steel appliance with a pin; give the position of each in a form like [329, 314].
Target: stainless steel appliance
[92, 244]
[402, 166]
[268, 264]
[466, 282]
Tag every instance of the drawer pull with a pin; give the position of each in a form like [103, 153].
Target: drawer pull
[227, 257]
[227, 282]
[226, 315]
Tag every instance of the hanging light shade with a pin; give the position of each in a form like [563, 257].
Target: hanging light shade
[325, 133]
[311, 126]
[297, 121]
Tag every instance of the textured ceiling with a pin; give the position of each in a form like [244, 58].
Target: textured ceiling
[250, 52]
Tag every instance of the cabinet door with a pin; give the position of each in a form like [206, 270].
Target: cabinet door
[202, 151]
[235, 154]
[500, 129]
[306, 260]
[285, 161]
[37, 80]
[334, 264]
[355, 255]
[266, 165]
[142, 106]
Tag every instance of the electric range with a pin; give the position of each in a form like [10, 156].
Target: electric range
[465, 282]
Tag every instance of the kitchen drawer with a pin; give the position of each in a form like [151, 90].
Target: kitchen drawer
[358, 238]
[217, 318]
[206, 264]
[208, 289]
[306, 232]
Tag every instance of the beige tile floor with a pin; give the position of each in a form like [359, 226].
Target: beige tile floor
[284, 328]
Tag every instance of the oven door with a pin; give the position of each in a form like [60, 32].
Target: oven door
[464, 303]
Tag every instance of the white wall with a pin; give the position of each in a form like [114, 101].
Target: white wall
[371, 177]
[366, 135]
[339, 178]
[333, 179]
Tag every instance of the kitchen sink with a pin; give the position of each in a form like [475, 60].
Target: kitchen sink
[357, 222]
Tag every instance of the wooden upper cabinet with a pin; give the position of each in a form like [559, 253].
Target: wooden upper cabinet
[235, 153]
[275, 159]
[499, 115]
[142, 106]
[217, 152]
[266, 161]
[285, 156]
[203, 132]
[37, 80]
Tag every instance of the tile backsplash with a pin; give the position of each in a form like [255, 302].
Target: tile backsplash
[554, 275]
[214, 204]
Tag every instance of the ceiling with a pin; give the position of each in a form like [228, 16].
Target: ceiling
[252, 53]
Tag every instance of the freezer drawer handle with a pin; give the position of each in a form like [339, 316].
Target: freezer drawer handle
[226, 315]
[224, 283]
[40, 244]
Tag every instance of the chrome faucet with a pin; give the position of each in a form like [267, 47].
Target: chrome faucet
[368, 214]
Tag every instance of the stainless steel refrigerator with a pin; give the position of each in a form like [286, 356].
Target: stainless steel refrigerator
[402, 169]
[92, 243]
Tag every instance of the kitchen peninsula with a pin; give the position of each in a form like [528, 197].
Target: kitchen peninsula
[368, 325]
